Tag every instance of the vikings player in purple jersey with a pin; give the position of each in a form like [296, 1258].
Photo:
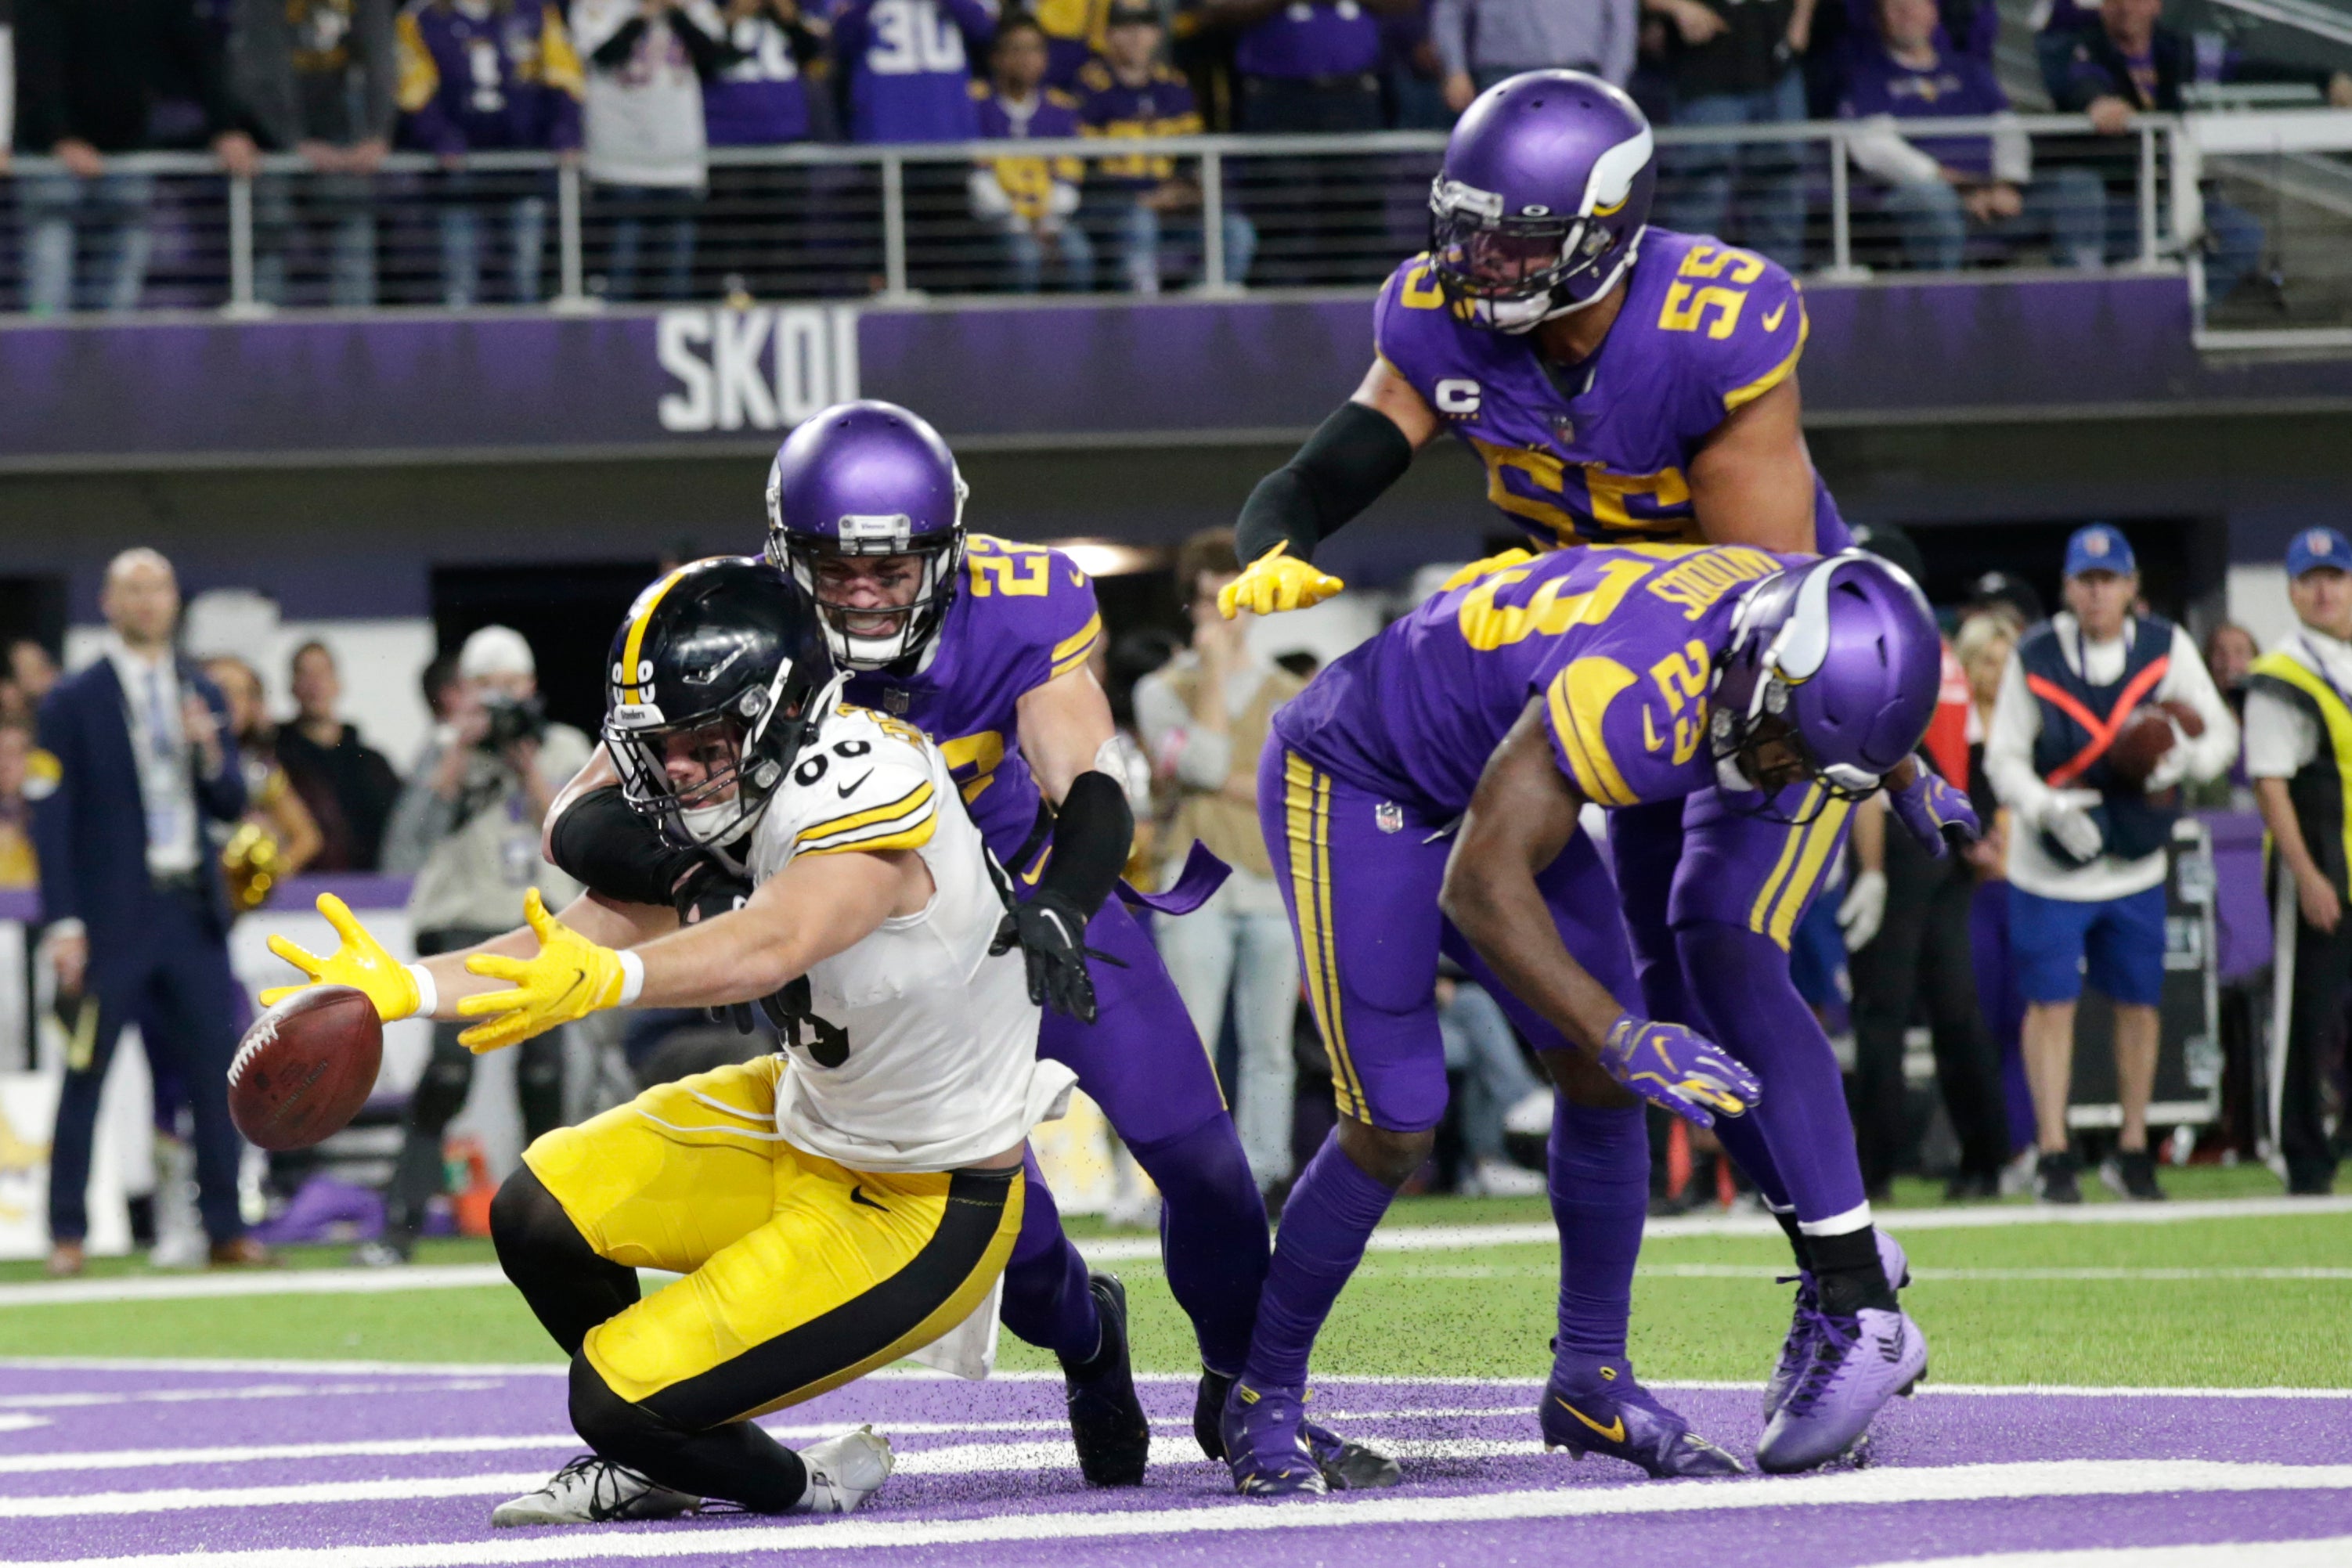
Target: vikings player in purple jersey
[983, 643]
[1622, 383]
[1422, 797]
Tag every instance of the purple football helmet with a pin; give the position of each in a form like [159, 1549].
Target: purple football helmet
[1839, 659]
[869, 479]
[1541, 204]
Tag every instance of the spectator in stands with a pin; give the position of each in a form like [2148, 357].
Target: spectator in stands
[2123, 64]
[1986, 639]
[905, 67]
[317, 78]
[1734, 62]
[645, 150]
[18, 869]
[1031, 203]
[1140, 198]
[135, 761]
[90, 76]
[468, 827]
[32, 668]
[439, 684]
[2087, 852]
[2298, 718]
[1074, 34]
[347, 783]
[1484, 41]
[1204, 717]
[759, 98]
[1413, 73]
[271, 807]
[489, 75]
[1942, 188]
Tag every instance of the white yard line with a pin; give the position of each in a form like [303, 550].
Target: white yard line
[250, 1391]
[2332, 1553]
[1116, 1249]
[1872, 1487]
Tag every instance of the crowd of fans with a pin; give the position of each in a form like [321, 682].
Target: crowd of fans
[638, 91]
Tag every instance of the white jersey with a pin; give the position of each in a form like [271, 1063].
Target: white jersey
[924, 1054]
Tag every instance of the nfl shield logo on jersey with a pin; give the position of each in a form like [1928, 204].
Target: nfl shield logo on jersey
[897, 701]
[1565, 428]
[1388, 817]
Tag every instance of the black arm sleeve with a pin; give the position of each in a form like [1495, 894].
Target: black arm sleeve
[1092, 835]
[613, 52]
[1352, 457]
[599, 841]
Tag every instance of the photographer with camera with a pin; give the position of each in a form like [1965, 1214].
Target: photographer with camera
[467, 829]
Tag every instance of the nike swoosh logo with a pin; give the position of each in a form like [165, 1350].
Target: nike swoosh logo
[1615, 1431]
[1772, 320]
[1077, 577]
[851, 789]
[857, 1196]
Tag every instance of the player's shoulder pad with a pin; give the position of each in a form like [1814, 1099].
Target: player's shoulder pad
[1625, 726]
[1411, 320]
[867, 783]
[1734, 319]
[1039, 599]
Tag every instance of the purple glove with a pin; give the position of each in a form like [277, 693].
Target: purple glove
[1936, 812]
[1682, 1071]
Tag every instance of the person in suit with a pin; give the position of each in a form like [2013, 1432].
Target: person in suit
[135, 758]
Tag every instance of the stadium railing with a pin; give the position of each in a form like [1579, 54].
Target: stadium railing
[895, 221]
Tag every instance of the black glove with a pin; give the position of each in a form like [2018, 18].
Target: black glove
[1052, 936]
[704, 893]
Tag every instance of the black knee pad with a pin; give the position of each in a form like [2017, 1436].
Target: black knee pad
[626, 1434]
[525, 1217]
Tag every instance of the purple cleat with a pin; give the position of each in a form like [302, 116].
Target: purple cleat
[1263, 1444]
[1347, 1465]
[1797, 1350]
[1858, 1363]
[1597, 1407]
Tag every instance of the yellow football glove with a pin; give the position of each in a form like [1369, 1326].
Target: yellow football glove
[568, 979]
[361, 963]
[1478, 569]
[1276, 581]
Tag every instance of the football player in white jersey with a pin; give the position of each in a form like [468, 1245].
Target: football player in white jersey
[834, 1206]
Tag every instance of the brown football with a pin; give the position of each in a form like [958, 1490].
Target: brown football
[306, 1066]
[2147, 735]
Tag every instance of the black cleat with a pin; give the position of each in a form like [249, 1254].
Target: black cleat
[1208, 1409]
[1106, 1419]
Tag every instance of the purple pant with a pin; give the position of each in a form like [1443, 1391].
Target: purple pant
[1361, 876]
[1141, 1059]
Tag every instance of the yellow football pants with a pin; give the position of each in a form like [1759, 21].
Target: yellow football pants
[800, 1274]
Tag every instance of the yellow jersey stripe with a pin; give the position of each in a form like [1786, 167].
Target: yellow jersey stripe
[1079, 640]
[1739, 397]
[1331, 946]
[1578, 700]
[1820, 845]
[913, 837]
[1304, 834]
[919, 796]
[633, 650]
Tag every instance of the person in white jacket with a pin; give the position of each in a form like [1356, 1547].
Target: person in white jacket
[2087, 852]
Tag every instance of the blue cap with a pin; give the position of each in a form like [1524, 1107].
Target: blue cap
[2315, 548]
[2099, 547]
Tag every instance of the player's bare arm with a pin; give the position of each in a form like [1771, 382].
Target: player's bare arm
[1065, 724]
[1752, 482]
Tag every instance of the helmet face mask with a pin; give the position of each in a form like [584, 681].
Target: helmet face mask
[874, 636]
[731, 679]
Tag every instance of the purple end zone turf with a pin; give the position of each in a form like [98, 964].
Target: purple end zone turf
[995, 1458]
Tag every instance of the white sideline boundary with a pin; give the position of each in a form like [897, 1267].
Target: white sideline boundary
[1401, 1238]
[1874, 1487]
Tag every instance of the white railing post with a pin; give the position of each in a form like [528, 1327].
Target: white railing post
[1841, 267]
[570, 248]
[1213, 224]
[894, 226]
[2146, 194]
[241, 301]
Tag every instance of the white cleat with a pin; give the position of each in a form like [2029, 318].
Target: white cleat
[590, 1491]
[843, 1471]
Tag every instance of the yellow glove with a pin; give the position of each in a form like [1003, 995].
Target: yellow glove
[360, 963]
[1478, 569]
[1276, 581]
[569, 978]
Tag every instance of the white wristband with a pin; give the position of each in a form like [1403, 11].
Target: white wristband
[633, 977]
[429, 995]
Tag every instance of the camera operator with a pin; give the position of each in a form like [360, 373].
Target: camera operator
[468, 827]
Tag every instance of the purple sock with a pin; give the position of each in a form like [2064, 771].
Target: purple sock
[1330, 1214]
[1753, 1010]
[1599, 1161]
[1047, 1302]
[1211, 1235]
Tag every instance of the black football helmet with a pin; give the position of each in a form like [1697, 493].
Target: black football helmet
[721, 673]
